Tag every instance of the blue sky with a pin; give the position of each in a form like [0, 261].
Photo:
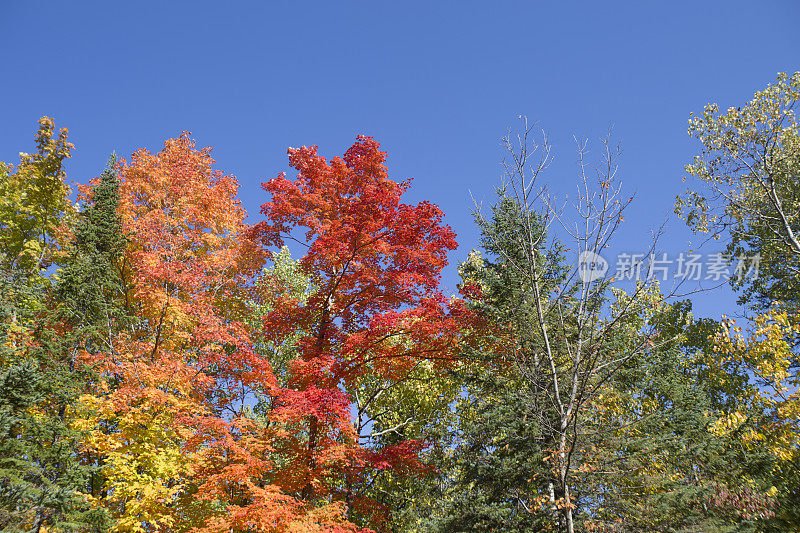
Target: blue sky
[436, 84]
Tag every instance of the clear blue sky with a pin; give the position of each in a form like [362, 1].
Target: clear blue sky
[437, 84]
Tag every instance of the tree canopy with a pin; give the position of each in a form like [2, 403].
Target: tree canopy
[166, 366]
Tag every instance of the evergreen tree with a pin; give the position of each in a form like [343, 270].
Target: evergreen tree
[89, 288]
[494, 478]
[659, 464]
[493, 470]
[40, 470]
[44, 474]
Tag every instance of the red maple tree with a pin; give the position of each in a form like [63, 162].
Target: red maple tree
[375, 309]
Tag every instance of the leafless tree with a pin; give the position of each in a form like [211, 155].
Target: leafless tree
[566, 323]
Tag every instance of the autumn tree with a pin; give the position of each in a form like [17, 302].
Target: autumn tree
[745, 187]
[374, 315]
[34, 201]
[171, 374]
[745, 191]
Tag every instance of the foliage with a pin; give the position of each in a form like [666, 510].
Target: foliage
[749, 167]
[768, 412]
[492, 474]
[41, 478]
[165, 375]
[165, 366]
[748, 188]
[658, 464]
[373, 316]
[34, 202]
[43, 474]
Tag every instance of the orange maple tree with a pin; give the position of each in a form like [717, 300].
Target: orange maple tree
[172, 376]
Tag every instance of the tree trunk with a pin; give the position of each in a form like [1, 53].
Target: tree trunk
[311, 463]
[563, 475]
[37, 523]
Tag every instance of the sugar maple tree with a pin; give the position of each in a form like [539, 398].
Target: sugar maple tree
[374, 310]
[168, 375]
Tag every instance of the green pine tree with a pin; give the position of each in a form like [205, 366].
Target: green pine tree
[43, 471]
[493, 473]
[660, 466]
[89, 288]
